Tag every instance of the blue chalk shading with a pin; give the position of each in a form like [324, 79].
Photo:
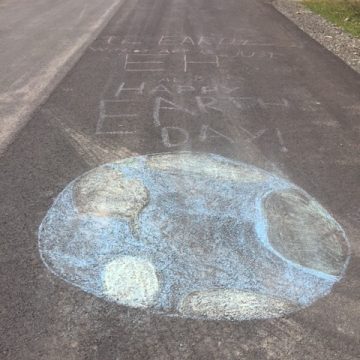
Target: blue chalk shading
[199, 232]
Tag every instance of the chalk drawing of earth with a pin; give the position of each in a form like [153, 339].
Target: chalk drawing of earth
[193, 235]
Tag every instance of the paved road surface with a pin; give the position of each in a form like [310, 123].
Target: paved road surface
[39, 42]
[229, 77]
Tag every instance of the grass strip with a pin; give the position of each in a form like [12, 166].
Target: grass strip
[343, 13]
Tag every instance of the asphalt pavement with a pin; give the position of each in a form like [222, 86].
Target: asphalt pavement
[233, 78]
[40, 41]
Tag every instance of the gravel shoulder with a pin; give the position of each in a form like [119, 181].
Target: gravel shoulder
[342, 44]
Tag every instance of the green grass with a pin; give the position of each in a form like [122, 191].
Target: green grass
[343, 13]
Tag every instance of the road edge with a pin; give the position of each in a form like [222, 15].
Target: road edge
[64, 62]
[331, 37]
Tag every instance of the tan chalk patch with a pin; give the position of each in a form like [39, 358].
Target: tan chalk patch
[105, 192]
[302, 231]
[201, 164]
[233, 304]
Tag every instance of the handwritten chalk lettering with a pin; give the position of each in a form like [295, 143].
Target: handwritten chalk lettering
[168, 40]
[144, 62]
[267, 44]
[312, 105]
[272, 55]
[226, 41]
[206, 103]
[170, 86]
[137, 90]
[160, 88]
[140, 51]
[257, 135]
[172, 40]
[164, 104]
[206, 40]
[217, 90]
[246, 54]
[184, 89]
[281, 103]
[244, 103]
[188, 40]
[183, 43]
[208, 60]
[184, 40]
[168, 80]
[283, 148]
[174, 136]
[206, 132]
[207, 52]
[208, 90]
[259, 54]
[177, 41]
[236, 53]
[253, 43]
[112, 115]
[241, 42]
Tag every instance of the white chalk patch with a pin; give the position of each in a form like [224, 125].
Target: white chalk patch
[233, 305]
[131, 281]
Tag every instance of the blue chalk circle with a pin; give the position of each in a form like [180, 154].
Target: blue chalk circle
[193, 235]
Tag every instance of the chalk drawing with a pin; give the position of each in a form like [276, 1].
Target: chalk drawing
[209, 90]
[144, 89]
[131, 281]
[212, 60]
[105, 115]
[281, 141]
[151, 64]
[160, 89]
[173, 44]
[281, 103]
[247, 54]
[207, 132]
[137, 90]
[168, 105]
[193, 235]
[166, 40]
[244, 102]
[188, 40]
[227, 41]
[206, 103]
[184, 89]
[205, 40]
[174, 130]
